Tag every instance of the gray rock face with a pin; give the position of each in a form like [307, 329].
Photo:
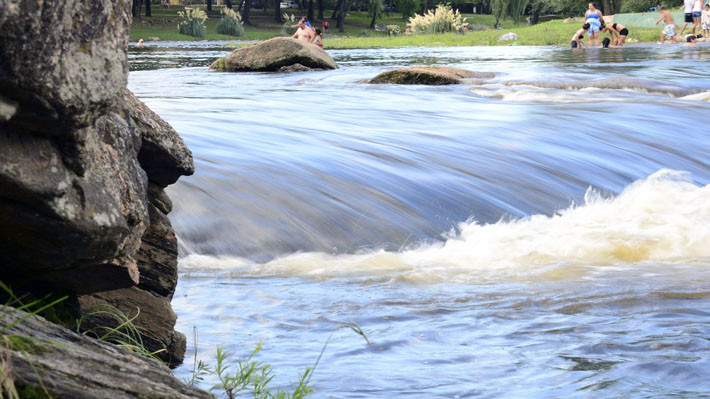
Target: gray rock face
[83, 164]
[274, 54]
[63, 60]
[163, 155]
[74, 366]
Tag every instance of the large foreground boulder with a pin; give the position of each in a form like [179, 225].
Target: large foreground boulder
[69, 365]
[429, 75]
[83, 167]
[279, 53]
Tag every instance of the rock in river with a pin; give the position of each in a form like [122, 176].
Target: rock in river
[429, 75]
[273, 55]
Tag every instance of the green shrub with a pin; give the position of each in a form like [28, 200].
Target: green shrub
[393, 30]
[288, 28]
[231, 23]
[193, 22]
[442, 20]
[637, 5]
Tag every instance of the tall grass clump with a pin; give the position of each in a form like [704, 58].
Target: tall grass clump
[441, 20]
[288, 28]
[252, 377]
[193, 22]
[231, 23]
[20, 343]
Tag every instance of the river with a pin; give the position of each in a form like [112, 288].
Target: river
[542, 233]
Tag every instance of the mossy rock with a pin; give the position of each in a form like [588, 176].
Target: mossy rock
[275, 54]
[428, 75]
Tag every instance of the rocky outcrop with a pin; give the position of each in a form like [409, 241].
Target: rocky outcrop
[73, 366]
[279, 53]
[429, 75]
[83, 165]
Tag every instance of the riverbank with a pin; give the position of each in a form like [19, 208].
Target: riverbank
[358, 35]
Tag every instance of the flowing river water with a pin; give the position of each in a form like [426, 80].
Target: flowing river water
[541, 233]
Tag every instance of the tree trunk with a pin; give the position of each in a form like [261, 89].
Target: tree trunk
[247, 11]
[134, 8]
[228, 3]
[341, 14]
[320, 9]
[209, 5]
[277, 10]
[335, 12]
[310, 10]
[535, 17]
[374, 17]
[147, 9]
[607, 8]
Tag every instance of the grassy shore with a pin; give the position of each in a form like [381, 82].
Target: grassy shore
[552, 33]
[357, 34]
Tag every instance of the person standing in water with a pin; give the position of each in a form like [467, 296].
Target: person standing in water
[594, 18]
[688, 8]
[578, 36]
[318, 40]
[697, 14]
[705, 20]
[669, 29]
[622, 33]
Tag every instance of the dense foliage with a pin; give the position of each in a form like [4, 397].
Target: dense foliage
[230, 24]
[192, 22]
[442, 20]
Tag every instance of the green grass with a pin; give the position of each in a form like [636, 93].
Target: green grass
[552, 33]
[163, 24]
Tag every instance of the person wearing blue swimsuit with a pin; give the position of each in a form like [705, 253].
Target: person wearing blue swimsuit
[594, 18]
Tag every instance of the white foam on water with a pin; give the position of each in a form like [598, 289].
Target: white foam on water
[703, 96]
[663, 218]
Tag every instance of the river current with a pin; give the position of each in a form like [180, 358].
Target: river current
[541, 233]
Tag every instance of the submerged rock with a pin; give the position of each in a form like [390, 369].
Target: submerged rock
[73, 366]
[274, 55]
[428, 75]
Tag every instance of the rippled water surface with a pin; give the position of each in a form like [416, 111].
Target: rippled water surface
[541, 233]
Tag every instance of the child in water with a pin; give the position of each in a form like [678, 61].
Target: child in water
[578, 36]
[669, 29]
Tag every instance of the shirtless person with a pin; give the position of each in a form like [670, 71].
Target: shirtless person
[577, 38]
[303, 33]
[669, 30]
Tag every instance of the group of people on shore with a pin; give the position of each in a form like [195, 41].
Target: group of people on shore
[694, 14]
[307, 33]
[594, 26]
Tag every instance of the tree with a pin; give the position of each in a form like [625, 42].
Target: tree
[407, 7]
[228, 4]
[310, 10]
[375, 8]
[321, 6]
[209, 5]
[247, 11]
[277, 10]
[137, 6]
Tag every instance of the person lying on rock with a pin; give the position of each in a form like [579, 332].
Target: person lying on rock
[303, 32]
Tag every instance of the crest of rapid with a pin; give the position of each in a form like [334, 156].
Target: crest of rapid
[542, 233]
